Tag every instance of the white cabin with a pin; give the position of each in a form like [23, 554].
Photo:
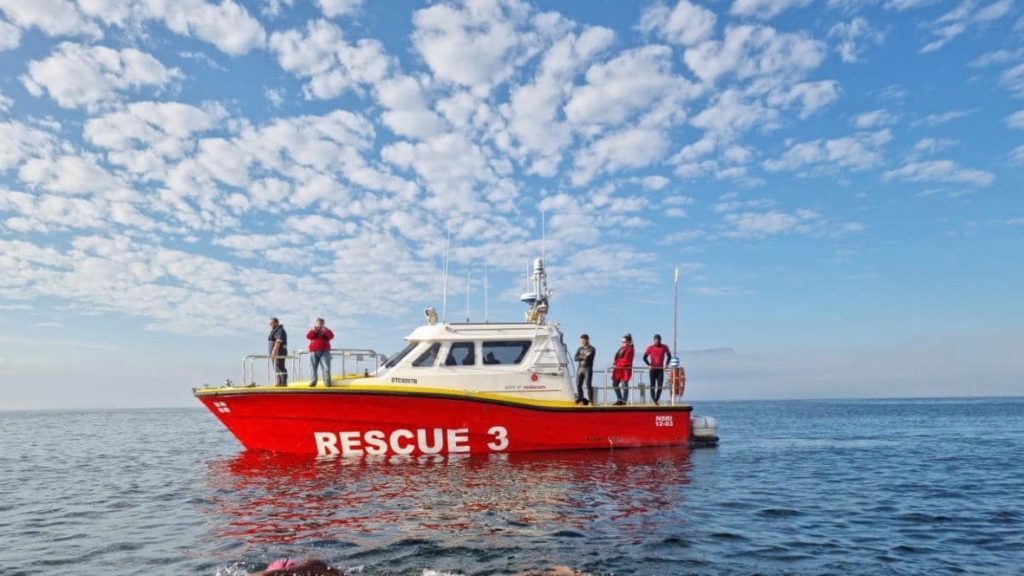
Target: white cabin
[519, 359]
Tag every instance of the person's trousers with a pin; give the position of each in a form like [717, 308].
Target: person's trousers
[621, 390]
[323, 358]
[657, 383]
[281, 371]
[585, 376]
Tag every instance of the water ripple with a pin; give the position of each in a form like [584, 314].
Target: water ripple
[867, 487]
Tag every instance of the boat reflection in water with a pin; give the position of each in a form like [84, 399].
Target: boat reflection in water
[361, 508]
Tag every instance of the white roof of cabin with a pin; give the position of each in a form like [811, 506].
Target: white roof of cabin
[480, 331]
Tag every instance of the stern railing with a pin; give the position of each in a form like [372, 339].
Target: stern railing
[638, 388]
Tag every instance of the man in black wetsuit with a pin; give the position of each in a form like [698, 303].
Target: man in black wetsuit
[585, 371]
[277, 347]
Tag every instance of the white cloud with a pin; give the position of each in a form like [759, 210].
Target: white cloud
[997, 57]
[857, 152]
[68, 175]
[765, 8]
[53, 17]
[5, 103]
[686, 24]
[406, 112]
[904, 5]
[958, 20]
[941, 171]
[275, 96]
[534, 119]
[1017, 155]
[476, 44]
[18, 142]
[940, 118]
[625, 85]
[1016, 120]
[225, 24]
[144, 136]
[1013, 80]
[75, 75]
[730, 113]
[454, 168]
[629, 148]
[274, 8]
[854, 37]
[334, 8]
[656, 183]
[42, 213]
[10, 35]
[756, 52]
[873, 119]
[809, 96]
[927, 146]
[770, 223]
[331, 64]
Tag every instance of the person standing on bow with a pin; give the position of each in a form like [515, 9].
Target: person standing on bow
[277, 347]
[623, 370]
[320, 337]
[656, 357]
[585, 371]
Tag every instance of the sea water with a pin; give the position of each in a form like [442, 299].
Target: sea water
[796, 487]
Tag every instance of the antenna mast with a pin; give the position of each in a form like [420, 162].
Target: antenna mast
[485, 292]
[675, 312]
[467, 296]
[544, 234]
[444, 281]
[538, 295]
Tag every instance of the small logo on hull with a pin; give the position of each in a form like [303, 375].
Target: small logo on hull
[222, 407]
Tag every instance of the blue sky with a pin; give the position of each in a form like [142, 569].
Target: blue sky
[838, 182]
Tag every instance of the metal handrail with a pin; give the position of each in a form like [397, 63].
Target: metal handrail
[296, 359]
[356, 354]
[636, 383]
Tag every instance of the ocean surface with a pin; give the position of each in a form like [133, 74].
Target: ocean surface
[796, 487]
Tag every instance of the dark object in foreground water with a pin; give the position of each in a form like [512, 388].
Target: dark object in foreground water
[307, 568]
[553, 571]
[703, 441]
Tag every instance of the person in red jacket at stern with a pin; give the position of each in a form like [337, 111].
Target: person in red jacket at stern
[320, 337]
[623, 370]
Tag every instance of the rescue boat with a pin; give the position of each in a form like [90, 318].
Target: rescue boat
[456, 388]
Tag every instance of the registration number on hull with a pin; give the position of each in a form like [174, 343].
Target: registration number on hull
[403, 441]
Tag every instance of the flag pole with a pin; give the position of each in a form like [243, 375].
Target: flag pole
[675, 313]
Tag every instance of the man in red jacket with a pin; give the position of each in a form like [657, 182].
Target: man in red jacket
[320, 350]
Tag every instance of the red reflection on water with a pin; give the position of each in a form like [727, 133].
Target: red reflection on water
[267, 498]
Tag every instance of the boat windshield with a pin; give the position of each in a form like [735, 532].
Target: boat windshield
[398, 357]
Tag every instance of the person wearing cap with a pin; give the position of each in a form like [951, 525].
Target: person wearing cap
[623, 370]
[585, 371]
[656, 357]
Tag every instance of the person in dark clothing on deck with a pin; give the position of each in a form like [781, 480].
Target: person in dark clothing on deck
[585, 371]
[277, 347]
[657, 356]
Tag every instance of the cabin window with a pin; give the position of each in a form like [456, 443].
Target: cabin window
[394, 360]
[429, 357]
[461, 354]
[505, 352]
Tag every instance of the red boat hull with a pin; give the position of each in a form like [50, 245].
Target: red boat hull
[353, 422]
